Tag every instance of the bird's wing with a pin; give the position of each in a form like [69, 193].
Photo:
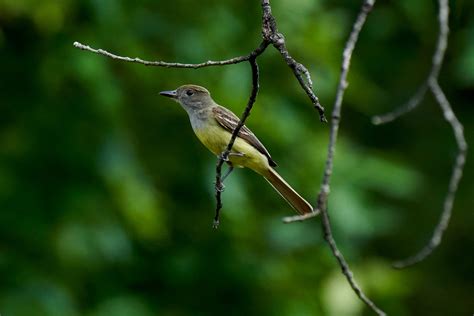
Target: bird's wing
[229, 121]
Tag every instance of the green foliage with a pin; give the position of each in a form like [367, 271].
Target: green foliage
[106, 196]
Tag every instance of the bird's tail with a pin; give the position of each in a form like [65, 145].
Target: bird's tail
[287, 192]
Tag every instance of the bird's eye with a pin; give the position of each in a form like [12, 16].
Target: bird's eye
[189, 92]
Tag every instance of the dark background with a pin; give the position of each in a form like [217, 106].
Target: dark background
[106, 196]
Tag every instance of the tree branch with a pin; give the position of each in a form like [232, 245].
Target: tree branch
[432, 84]
[270, 35]
[456, 176]
[164, 64]
[335, 120]
[322, 203]
[224, 156]
[301, 218]
[437, 62]
[412, 103]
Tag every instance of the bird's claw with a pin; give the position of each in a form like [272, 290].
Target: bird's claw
[220, 187]
[237, 154]
[225, 157]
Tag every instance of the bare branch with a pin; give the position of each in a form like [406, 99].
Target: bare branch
[335, 120]
[414, 101]
[344, 266]
[164, 64]
[432, 84]
[456, 175]
[437, 62]
[271, 34]
[322, 203]
[336, 113]
[300, 218]
[225, 154]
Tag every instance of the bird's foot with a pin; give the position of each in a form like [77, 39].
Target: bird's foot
[237, 154]
[226, 157]
[219, 186]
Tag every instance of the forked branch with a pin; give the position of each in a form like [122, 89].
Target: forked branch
[335, 120]
[456, 176]
[322, 202]
[431, 84]
[270, 35]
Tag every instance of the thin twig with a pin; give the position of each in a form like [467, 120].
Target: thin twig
[432, 84]
[164, 64]
[322, 203]
[300, 218]
[456, 176]
[270, 33]
[224, 156]
[335, 120]
[437, 62]
[414, 101]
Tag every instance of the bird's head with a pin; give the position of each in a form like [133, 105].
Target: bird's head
[190, 96]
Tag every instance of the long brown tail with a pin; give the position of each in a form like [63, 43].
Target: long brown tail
[287, 192]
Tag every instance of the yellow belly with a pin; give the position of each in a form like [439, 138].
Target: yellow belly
[215, 138]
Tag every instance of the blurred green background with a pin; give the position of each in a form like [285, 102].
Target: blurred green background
[97, 219]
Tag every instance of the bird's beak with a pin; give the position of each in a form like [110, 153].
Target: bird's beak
[170, 94]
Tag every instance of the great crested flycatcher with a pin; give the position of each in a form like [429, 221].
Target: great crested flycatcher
[214, 124]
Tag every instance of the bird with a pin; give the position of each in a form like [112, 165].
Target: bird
[214, 124]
